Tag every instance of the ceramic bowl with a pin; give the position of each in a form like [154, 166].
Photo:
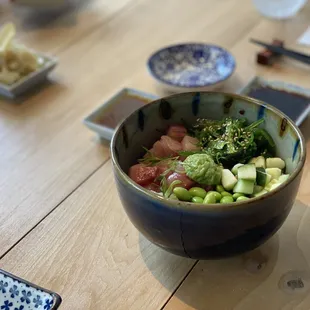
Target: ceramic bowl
[191, 66]
[205, 231]
[19, 294]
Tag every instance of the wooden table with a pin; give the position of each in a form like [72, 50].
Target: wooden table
[62, 225]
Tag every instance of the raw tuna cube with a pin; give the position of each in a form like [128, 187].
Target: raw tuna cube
[186, 182]
[177, 132]
[142, 174]
[190, 144]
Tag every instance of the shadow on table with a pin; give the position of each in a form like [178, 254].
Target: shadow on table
[223, 276]
[39, 18]
[41, 96]
[275, 273]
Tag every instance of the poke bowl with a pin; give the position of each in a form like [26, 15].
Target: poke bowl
[207, 174]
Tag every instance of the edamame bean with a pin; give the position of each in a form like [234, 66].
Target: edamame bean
[209, 199]
[217, 195]
[226, 194]
[242, 198]
[237, 195]
[197, 199]
[198, 192]
[182, 194]
[220, 188]
[227, 199]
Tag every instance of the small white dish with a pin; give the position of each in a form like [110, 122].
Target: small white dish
[106, 117]
[31, 80]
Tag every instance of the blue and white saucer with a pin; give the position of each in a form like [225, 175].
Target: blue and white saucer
[191, 66]
[19, 294]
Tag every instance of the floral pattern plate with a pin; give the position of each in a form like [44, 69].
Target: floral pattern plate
[191, 65]
[18, 294]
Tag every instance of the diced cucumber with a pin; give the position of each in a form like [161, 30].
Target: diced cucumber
[260, 162]
[262, 177]
[274, 186]
[263, 192]
[269, 185]
[257, 189]
[269, 177]
[275, 162]
[228, 179]
[244, 186]
[274, 172]
[252, 160]
[247, 172]
[234, 169]
[283, 178]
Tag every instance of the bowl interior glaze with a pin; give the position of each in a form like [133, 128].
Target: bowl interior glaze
[143, 127]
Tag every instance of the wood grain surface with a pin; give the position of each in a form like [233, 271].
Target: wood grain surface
[89, 252]
[61, 223]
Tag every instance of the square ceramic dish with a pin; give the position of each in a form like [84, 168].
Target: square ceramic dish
[291, 99]
[104, 119]
[18, 294]
[31, 80]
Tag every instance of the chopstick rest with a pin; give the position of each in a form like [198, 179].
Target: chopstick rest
[267, 57]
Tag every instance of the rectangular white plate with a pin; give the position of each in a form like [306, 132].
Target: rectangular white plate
[126, 95]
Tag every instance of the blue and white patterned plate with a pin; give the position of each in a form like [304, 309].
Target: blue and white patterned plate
[18, 294]
[192, 65]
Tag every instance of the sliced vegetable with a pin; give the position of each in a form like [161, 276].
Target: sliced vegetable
[260, 162]
[274, 186]
[244, 186]
[262, 178]
[247, 172]
[228, 179]
[268, 187]
[283, 178]
[252, 161]
[263, 192]
[234, 169]
[257, 189]
[274, 172]
[275, 162]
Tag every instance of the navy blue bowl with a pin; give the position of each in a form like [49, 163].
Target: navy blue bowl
[205, 231]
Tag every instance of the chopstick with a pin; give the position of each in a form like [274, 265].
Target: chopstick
[284, 51]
